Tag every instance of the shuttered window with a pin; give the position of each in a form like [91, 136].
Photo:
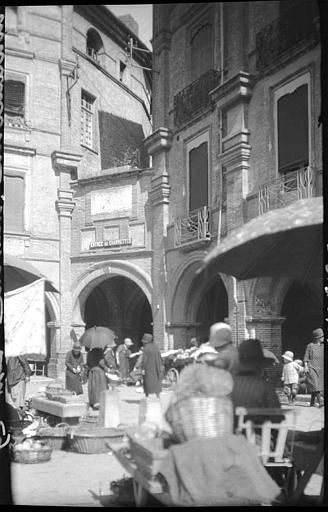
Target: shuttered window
[14, 98]
[293, 130]
[202, 51]
[87, 119]
[14, 203]
[198, 177]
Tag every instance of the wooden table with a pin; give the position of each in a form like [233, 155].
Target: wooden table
[62, 411]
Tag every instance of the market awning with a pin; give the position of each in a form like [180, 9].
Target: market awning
[19, 272]
[286, 242]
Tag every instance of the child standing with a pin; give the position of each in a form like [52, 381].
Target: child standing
[290, 375]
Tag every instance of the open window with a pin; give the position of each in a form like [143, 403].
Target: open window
[94, 44]
[14, 102]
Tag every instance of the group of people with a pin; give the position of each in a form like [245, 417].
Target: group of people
[100, 362]
[312, 372]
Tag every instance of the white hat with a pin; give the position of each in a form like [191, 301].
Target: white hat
[288, 355]
[128, 342]
[220, 334]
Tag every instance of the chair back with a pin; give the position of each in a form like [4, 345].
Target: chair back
[269, 437]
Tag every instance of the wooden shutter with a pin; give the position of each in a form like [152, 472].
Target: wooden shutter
[14, 203]
[202, 51]
[198, 177]
[293, 130]
[14, 97]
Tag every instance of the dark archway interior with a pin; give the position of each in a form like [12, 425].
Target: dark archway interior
[118, 303]
[212, 308]
[303, 312]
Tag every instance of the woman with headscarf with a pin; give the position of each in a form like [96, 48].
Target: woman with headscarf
[313, 367]
[123, 354]
[74, 363]
[97, 380]
[18, 374]
[152, 366]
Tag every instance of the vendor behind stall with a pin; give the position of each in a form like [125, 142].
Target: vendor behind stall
[74, 363]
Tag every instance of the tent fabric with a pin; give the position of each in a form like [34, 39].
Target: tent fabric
[19, 272]
[24, 320]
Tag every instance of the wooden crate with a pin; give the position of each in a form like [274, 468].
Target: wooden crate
[148, 454]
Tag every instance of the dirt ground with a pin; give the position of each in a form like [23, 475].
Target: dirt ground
[73, 479]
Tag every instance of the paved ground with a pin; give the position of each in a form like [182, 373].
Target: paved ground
[72, 479]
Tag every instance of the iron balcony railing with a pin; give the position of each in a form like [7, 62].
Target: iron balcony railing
[194, 227]
[293, 26]
[194, 98]
[284, 190]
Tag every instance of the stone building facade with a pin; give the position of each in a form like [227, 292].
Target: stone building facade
[235, 123]
[76, 173]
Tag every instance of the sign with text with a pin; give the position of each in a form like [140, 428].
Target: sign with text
[110, 243]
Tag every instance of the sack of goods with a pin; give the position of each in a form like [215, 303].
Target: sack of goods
[201, 404]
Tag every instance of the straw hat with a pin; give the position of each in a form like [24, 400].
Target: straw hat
[220, 335]
[288, 355]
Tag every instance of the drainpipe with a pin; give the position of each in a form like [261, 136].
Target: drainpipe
[221, 117]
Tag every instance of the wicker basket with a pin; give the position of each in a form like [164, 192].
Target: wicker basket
[147, 453]
[56, 437]
[92, 439]
[31, 456]
[201, 416]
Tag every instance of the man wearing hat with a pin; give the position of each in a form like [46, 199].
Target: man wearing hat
[250, 390]
[289, 377]
[221, 341]
[123, 354]
[152, 366]
[74, 363]
[313, 367]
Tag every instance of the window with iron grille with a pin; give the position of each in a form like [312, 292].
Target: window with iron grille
[14, 99]
[87, 119]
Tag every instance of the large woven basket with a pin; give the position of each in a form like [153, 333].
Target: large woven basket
[92, 439]
[56, 437]
[201, 416]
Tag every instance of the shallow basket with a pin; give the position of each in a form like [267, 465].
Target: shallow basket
[31, 456]
[93, 439]
[201, 416]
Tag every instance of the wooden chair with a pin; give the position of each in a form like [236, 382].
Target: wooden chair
[270, 437]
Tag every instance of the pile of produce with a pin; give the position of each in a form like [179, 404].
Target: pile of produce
[31, 444]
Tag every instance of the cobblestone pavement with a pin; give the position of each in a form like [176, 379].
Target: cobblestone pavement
[73, 479]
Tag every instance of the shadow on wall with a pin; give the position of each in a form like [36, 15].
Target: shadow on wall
[121, 142]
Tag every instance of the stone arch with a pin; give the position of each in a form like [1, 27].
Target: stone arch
[94, 275]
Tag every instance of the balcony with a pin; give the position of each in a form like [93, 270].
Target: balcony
[193, 228]
[194, 98]
[300, 184]
[297, 25]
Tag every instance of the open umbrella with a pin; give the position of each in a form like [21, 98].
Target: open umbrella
[98, 337]
[286, 242]
[19, 272]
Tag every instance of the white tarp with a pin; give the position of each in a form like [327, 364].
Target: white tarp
[24, 320]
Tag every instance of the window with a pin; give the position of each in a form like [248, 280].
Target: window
[94, 44]
[198, 172]
[87, 119]
[122, 71]
[201, 51]
[14, 100]
[14, 190]
[293, 128]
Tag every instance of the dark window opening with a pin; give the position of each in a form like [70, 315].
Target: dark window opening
[14, 98]
[94, 44]
[122, 71]
[293, 130]
[198, 177]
